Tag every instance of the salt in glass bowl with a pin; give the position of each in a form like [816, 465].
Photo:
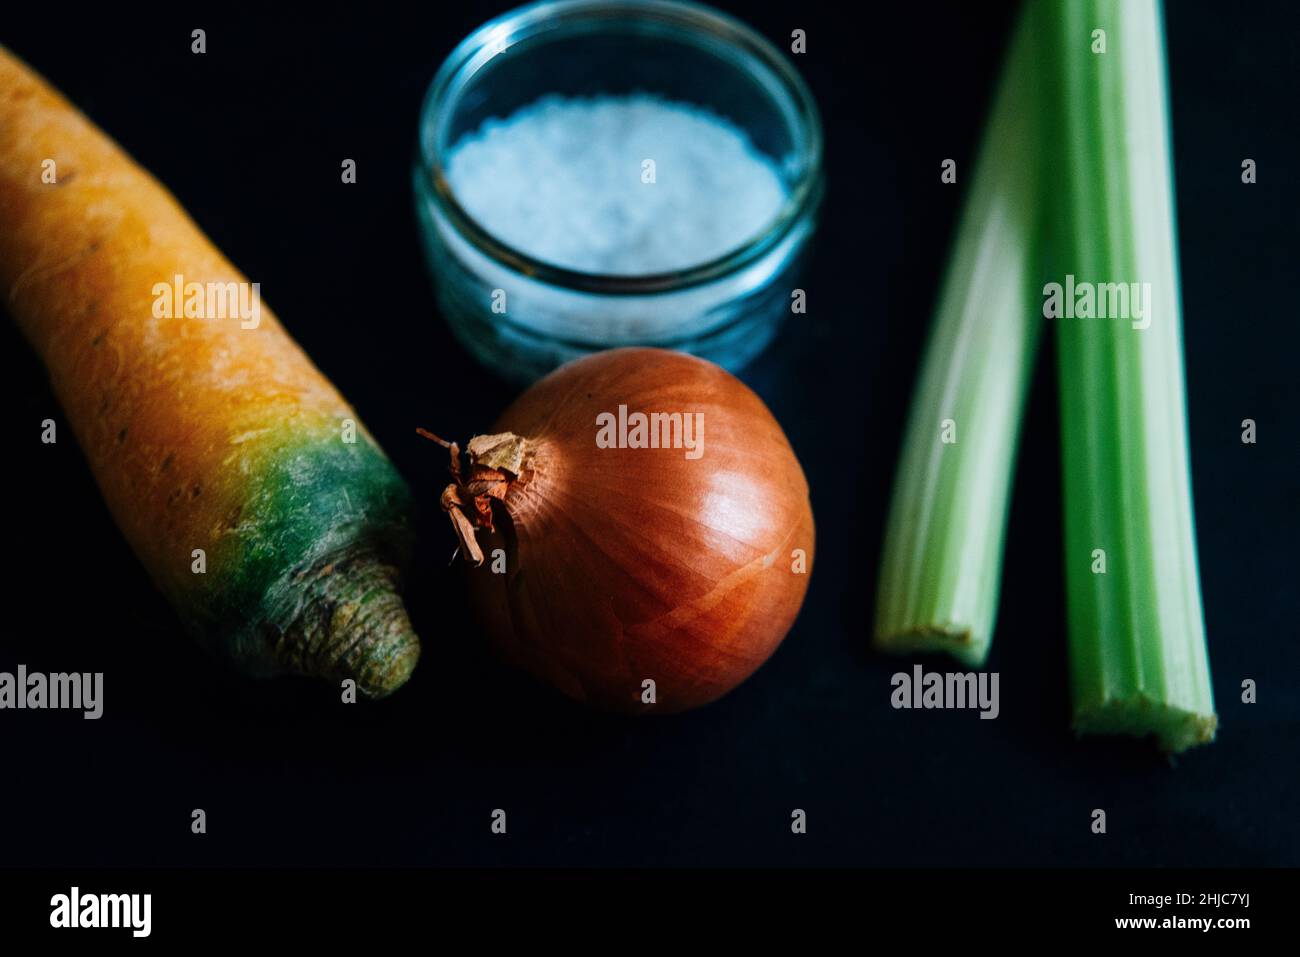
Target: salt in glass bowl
[726, 309]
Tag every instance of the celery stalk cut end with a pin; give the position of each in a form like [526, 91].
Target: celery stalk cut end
[1175, 729]
[954, 640]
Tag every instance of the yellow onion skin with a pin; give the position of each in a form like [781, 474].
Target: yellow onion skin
[627, 565]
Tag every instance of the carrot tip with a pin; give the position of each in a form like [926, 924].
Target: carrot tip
[354, 626]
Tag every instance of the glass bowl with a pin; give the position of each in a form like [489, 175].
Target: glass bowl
[523, 316]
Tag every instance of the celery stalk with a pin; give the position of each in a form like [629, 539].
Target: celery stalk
[1136, 631]
[938, 588]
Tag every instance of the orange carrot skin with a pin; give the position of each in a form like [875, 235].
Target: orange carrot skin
[201, 433]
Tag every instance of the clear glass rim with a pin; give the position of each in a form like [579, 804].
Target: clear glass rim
[498, 35]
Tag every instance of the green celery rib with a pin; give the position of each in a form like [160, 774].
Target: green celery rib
[941, 566]
[1137, 635]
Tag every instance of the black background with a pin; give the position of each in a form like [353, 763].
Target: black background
[250, 137]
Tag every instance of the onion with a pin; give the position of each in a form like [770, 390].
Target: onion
[601, 569]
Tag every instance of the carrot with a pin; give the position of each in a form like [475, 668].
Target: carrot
[211, 434]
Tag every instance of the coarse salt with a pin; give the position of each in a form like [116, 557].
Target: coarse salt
[616, 185]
